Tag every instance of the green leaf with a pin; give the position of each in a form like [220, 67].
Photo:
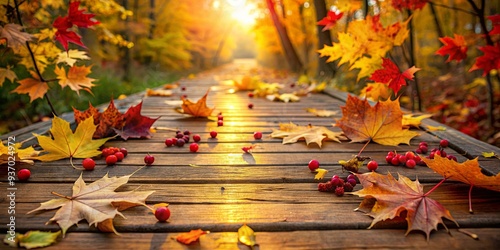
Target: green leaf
[32, 239]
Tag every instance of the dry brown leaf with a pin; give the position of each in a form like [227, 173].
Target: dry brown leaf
[292, 133]
[198, 109]
[322, 112]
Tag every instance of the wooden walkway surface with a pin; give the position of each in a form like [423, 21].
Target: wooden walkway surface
[271, 190]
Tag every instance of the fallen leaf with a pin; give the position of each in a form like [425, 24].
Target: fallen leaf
[435, 128]
[33, 86]
[246, 235]
[391, 75]
[66, 144]
[76, 78]
[94, 203]
[283, 97]
[292, 133]
[353, 164]
[393, 197]
[190, 237]
[410, 120]
[158, 92]
[25, 155]
[264, 89]
[382, 123]
[171, 85]
[198, 109]
[320, 173]
[246, 82]
[489, 154]
[467, 172]
[136, 125]
[32, 239]
[106, 122]
[322, 112]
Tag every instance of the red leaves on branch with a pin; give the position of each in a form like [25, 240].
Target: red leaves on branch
[456, 48]
[408, 4]
[330, 20]
[495, 19]
[391, 75]
[490, 60]
[74, 17]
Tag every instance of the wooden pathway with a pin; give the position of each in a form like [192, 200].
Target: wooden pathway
[271, 190]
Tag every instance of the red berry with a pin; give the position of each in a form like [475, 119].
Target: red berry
[419, 151]
[339, 191]
[410, 163]
[220, 117]
[431, 155]
[106, 152]
[424, 149]
[181, 142]
[391, 153]
[388, 159]
[444, 143]
[149, 159]
[451, 157]
[88, 164]
[124, 152]
[352, 182]
[220, 123]
[213, 134]
[187, 132]
[292, 85]
[250, 94]
[193, 147]
[402, 158]
[186, 138]
[174, 141]
[250, 105]
[313, 164]
[23, 174]
[348, 187]
[179, 135]
[196, 138]
[111, 160]
[119, 155]
[257, 135]
[395, 161]
[169, 142]
[372, 165]
[183, 88]
[409, 155]
[335, 180]
[162, 214]
[423, 143]
[443, 153]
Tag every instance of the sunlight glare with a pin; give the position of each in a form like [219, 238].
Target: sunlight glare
[243, 12]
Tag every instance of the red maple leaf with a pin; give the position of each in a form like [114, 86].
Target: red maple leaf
[74, 17]
[455, 47]
[330, 20]
[408, 4]
[391, 75]
[136, 125]
[495, 19]
[490, 60]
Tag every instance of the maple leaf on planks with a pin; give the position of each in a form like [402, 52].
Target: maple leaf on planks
[15, 37]
[158, 92]
[382, 123]
[489, 61]
[6, 73]
[34, 87]
[25, 155]
[456, 48]
[410, 120]
[393, 197]
[391, 75]
[246, 82]
[71, 56]
[136, 125]
[467, 172]
[76, 78]
[291, 133]
[95, 203]
[376, 91]
[196, 109]
[66, 144]
[191, 236]
[31, 239]
[322, 112]
[106, 122]
[246, 236]
[330, 20]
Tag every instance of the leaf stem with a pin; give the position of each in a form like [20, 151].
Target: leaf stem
[62, 196]
[434, 188]
[363, 148]
[470, 199]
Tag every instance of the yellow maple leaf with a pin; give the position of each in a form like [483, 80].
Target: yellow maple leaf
[6, 73]
[382, 123]
[366, 66]
[376, 91]
[22, 155]
[320, 173]
[197, 109]
[76, 78]
[32, 86]
[71, 56]
[292, 133]
[66, 144]
[410, 120]
[246, 236]
[322, 112]
[287, 97]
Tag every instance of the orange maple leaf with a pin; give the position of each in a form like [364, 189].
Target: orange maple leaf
[76, 78]
[456, 48]
[198, 109]
[32, 86]
[106, 121]
[394, 197]
[382, 123]
[191, 236]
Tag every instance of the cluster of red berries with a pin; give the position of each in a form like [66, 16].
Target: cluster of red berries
[220, 120]
[181, 138]
[338, 185]
[440, 151]
[408, 159]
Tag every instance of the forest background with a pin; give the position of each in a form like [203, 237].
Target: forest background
[139, 44]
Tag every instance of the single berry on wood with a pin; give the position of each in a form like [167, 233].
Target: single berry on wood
[23, 174]
[250, 105]
[149, 160]
[169, 142]
[444, 143]
[410, 163]
[257, 135]
[111, 160]
[88, 164]
[213, 134]
[196, 138]
[187, 132]
[250, 94]
[162, 214]
[372, 165]
[193, 147]
[313, 164]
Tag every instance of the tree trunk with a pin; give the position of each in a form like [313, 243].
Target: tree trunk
[152, 18]
[324, 37]
[290, 53]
